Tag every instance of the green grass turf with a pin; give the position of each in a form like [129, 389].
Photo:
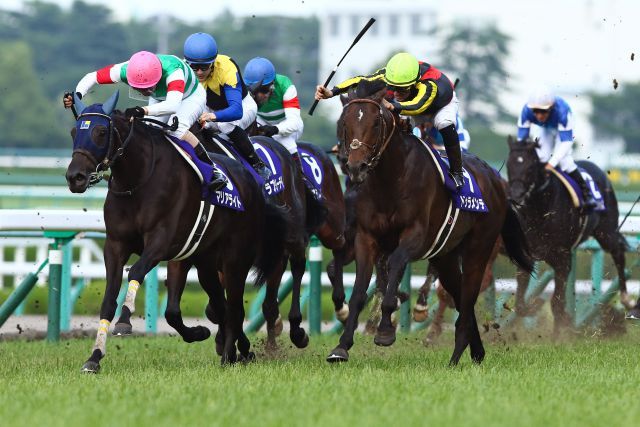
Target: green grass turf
[581, 381]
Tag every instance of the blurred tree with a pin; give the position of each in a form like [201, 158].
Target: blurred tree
[618, 115]
[27, 117]
[476, 55]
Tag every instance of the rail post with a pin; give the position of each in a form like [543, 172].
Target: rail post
[315, 286]
[151, 301]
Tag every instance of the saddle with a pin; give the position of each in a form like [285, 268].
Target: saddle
[575, 193]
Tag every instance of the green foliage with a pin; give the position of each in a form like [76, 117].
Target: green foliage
[476, 55]
[26, 114]
[618, 115]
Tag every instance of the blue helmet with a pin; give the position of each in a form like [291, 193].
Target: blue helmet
[200, 48]
[259, 72]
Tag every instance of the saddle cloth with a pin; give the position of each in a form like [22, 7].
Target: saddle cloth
[228, 197]
[470, 196]
[575, 192]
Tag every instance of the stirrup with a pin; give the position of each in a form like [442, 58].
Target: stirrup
[458, 179]
[218, 182]
[262, 170]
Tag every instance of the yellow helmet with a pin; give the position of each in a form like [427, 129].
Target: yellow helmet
[402, 70]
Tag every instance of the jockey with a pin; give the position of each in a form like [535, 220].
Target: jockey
[418, 89]
[426, 129]
[554, 118]
[229, 107]
[278, 104]
[172, 89]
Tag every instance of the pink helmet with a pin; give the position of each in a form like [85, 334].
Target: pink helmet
[144, 70]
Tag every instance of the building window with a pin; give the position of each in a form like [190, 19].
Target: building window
[334, 25]
[419, 25]
[394, 24]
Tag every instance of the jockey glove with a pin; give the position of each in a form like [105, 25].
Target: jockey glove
[269, 130]
[136, 111]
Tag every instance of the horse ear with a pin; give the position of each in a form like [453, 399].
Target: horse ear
[78, 103]
[108, 106]
[536, 143]
[344, 99]
[510, 140]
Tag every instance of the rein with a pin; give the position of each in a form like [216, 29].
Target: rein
[381, 140]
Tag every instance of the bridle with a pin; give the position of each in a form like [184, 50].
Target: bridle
[382, 141]
[532, 187]
[114, 154]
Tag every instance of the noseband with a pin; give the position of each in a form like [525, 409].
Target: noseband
[382, 141]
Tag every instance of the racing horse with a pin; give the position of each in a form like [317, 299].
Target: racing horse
[153, 201]
[402, 208]
[554, 227]
[308, 215]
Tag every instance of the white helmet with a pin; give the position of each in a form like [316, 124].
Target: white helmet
[541, 98]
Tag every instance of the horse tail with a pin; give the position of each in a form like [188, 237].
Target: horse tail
[515, 241]
[316, 212]
[272, 247]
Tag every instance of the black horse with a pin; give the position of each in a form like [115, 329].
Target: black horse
[154, 199]
[402, 209]
[307, 216]
[554, 227]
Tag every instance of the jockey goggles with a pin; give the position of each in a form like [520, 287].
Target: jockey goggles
[400, 89]
[542, 110]
[200, 67]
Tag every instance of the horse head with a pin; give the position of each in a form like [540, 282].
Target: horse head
[524, 169]
[365, 128]
[92, 142]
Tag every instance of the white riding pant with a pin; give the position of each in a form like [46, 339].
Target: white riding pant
[249, 113]
[552, 150]
[188, 113]
[447, 115]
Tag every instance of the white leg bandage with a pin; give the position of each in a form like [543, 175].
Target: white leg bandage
[101, 337]
[130, 300]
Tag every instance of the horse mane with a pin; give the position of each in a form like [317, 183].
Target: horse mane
[152, 131]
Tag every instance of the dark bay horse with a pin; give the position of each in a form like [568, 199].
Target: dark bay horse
[150, 210]
[554, 227]
[401, 208]
[307, 216]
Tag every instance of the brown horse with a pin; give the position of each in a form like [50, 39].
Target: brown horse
[402, 208]
[153, 201]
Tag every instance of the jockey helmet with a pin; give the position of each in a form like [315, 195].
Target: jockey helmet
[402, 70]
[200, 48]
[144, 70]
[259, 72]
[541, 98]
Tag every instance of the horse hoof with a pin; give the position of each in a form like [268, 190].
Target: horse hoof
[343, 313]
[196, 334]
[228, 360]
[385, 337]
[299, 338]
[420, 313]
[278, 326]
[90, 367]
[633, 314]
[122, 329]
[250, 357]
[338, 355]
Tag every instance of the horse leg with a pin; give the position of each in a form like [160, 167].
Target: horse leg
[270, 308]
[375, 312]
[297, 333]
[176, 280]
[215, 310]
[616, 245]
[334, 271]
[435, 330]
[366, 252]
[149, 258]
[421, 309]
[115, 256]
[235, 276]
[386, 334]
[561, 264]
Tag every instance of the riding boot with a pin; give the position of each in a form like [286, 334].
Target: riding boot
[218, 180]
[296, 158]
[589, 202]
[241, 140]
[452, 147]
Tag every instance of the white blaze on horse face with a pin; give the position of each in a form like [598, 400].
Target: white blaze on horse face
[360, 114]
[519, 159]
